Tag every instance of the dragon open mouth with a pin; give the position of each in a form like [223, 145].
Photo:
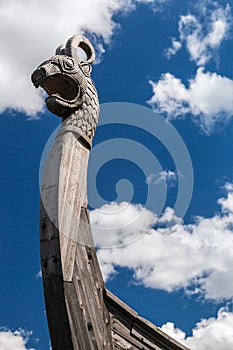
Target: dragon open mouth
[61, 86]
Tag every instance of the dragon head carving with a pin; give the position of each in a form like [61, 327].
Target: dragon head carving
[66, 78]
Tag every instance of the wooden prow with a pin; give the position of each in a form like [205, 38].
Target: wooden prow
[81, 313]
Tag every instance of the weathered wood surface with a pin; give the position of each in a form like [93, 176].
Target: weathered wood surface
[81, 314]
[73, 284]
[130, 331]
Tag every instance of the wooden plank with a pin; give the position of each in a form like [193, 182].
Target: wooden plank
[72, 278]
[56, 311]
[85, 294]
[132, 331]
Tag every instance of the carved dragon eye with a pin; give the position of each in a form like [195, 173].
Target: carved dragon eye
[69, 63]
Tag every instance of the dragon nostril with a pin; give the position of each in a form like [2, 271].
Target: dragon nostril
[38, 75]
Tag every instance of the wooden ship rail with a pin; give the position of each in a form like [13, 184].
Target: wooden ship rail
[130, 331]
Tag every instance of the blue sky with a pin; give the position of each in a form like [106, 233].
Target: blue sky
[170, 56]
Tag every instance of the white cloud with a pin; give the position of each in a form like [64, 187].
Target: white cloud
[168, 177]
[30, 31]
[16, 340]
[227, 203]
[39, 274]
[112, 224]
[197, 257]
[202, 37]
[176, 333]
[209, 98]
[176, 46]
[228, 186]
[209, 334]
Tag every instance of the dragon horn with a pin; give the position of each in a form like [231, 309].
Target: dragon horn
[60, 50]
[80, 41]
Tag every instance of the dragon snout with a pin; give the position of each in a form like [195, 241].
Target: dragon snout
[38, 75]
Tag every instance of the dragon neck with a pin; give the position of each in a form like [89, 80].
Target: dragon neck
[84, 120]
